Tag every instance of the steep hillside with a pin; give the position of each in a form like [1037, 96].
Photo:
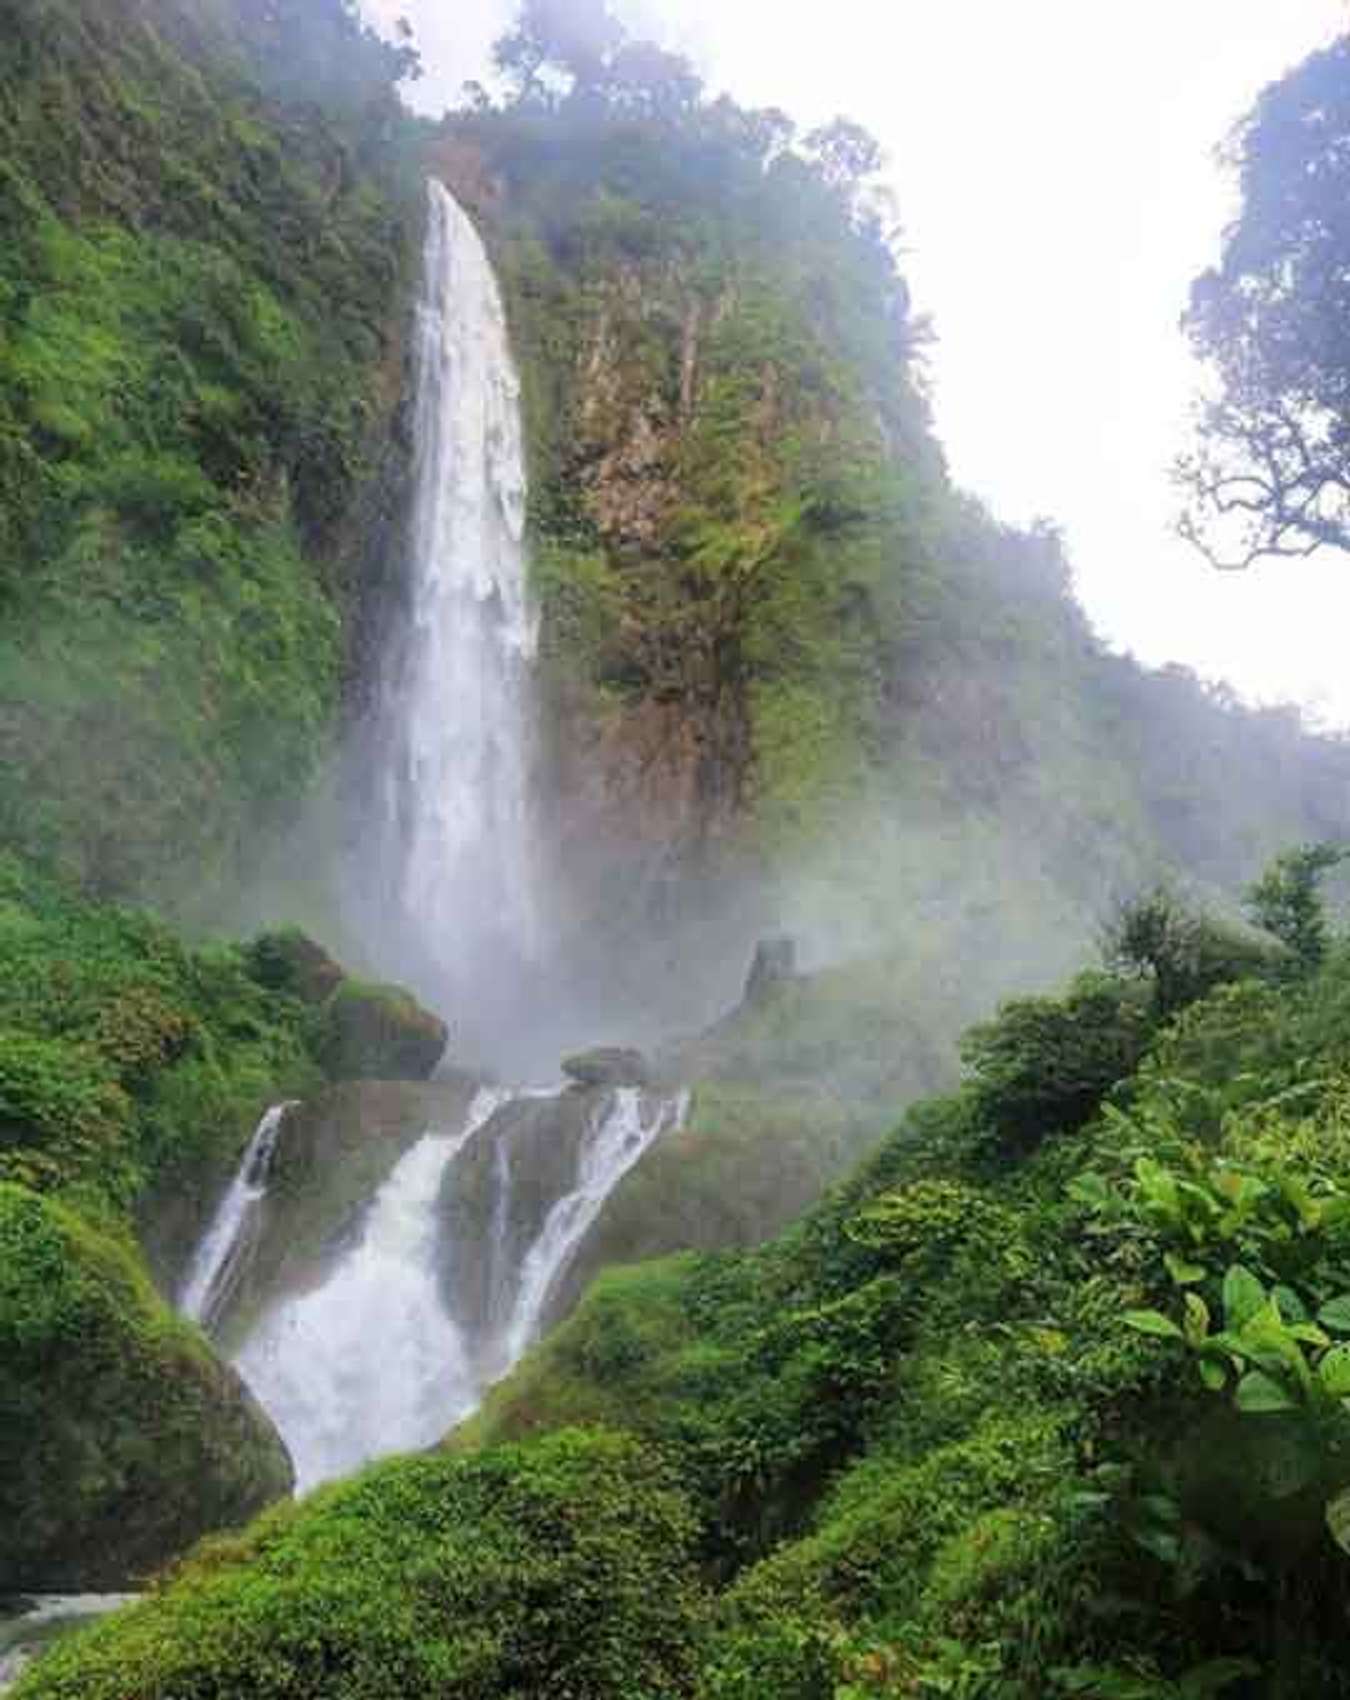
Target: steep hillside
[194, 346]
[1047, 1399]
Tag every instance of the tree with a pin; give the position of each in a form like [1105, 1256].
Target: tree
[1272, 475]
[574, 39]
[1186, 955]
[1287, 900]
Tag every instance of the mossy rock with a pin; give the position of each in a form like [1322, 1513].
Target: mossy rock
[560, 1568]
[290, 961]
[122, 1437]
[379, 1033]
[497, 1195]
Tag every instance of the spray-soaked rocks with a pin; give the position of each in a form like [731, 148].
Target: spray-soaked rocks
[608, 1065]
[122, 1437]
[375, 1032]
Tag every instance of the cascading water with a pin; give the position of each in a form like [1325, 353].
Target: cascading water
[216, 1265]
[619, 1136]
[446, 874]
[370, 1362]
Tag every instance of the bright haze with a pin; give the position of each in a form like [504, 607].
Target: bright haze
[1054, 165]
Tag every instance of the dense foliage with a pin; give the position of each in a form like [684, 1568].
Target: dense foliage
[1048, 1399]
[1005, 1426]
[194, 289]
[558, 1569]
[126, 1057]
[122, 1438]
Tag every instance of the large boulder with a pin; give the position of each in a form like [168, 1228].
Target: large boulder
[123, 1438]
[289, 961]
[374, 1032]
[608, 1065]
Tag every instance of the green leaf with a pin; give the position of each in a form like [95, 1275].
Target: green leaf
[1338, 1519]
[1213, 1374]
[1183, 1272]
[1153, 1322]
[1243, 1296]
[1335, 1314]
[1334, 1372]
[1259, 1393]
[1292, 1307]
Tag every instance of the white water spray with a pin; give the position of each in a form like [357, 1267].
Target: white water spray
[216, 1264]
[370, 1363]
[454, 850]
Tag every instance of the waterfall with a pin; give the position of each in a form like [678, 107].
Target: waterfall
[219, 1258]
[453, 851]
[370, 1362]
[620, 1134]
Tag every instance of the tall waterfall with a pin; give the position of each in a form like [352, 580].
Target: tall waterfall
[447, 870]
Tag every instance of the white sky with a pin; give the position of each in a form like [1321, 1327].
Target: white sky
[1053, 163]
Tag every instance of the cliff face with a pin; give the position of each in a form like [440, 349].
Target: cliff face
[713, 464]
[768, 616]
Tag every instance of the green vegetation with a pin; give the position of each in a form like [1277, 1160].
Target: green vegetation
[194, 311]
[130, 1065]
[941, 1439]
[121, 1437]
[1049, 1398]
[560, 1569]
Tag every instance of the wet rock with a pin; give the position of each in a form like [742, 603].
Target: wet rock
[774, 965]
[333, 1154]
[496, 1197]
[608, 1065]
[372, 1032]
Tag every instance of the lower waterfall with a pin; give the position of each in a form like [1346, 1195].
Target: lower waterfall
[210, 1281]
[370, 1362]
[373, 1360]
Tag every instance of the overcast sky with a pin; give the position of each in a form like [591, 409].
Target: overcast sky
[1053, 164]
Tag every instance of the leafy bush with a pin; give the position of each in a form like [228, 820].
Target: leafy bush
[1044, 1065]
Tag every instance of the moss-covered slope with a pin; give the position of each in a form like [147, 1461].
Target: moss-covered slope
[122, 1437]
[1017, 1411]
[196, 281]
[558, 1570]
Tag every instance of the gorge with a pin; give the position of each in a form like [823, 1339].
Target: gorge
[472, 589]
